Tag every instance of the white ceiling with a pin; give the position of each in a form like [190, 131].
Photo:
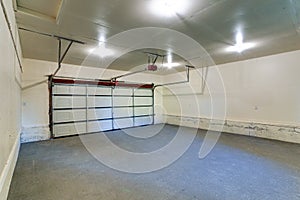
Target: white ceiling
[40, 7]
[273, 25]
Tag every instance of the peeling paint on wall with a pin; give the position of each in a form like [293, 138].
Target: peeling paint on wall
[33, 134]
[286, 133]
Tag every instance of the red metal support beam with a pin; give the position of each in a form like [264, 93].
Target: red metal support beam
[102, 83]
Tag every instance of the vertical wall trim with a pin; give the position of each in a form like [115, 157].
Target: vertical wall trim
[50, 89]
[153, 105]
[112, 108]
[11, 34]
[7, 173]
[86, 109]
[133, 108]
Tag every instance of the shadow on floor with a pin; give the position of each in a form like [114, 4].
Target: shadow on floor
[239, 167]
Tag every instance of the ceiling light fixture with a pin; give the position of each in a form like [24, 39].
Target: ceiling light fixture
[171, 65]
[168, 8]
[169, 58]
[102, 40]
[101, 51]
[240, 46]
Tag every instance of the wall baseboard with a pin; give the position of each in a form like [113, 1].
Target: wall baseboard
[41, 133]
[286, 133]
[34, 134]
[7, 173]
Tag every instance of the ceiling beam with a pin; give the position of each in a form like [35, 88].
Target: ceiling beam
[15, 5]
[32, 13]
[60, 10]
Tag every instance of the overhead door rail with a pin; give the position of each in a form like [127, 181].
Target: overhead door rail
[152, 58]
[188, 67]
[61, 55]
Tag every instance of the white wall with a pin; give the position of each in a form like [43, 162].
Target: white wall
[256, 97]
[264, 89]
[35, 96]
[10, 106]
[258, 91]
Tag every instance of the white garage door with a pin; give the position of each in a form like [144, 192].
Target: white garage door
[83, 108]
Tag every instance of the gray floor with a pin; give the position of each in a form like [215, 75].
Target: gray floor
[238, 168]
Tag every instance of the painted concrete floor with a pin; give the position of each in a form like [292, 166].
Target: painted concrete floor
[239, 167]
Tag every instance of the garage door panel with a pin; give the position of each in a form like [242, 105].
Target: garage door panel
[123, 123]
[143, 110]
[81, 109]
[99, 91]
[99, 101]
[68, 89]
[98, 126]
[69, 129]
[69, 102]
[122, 91]
[122, 101]
[99, 113]
[140, 121]
[123, 112]
[142, 92]
[143, 101]
[68, 115]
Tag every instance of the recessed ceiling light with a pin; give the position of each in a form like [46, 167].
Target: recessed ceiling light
[101, 51]
[169, 58]
[240, 46]
[101, 39]
[239, 38]
[168, 8]
[170, 65]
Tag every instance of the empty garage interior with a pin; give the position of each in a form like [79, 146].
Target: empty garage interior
[150, 99]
